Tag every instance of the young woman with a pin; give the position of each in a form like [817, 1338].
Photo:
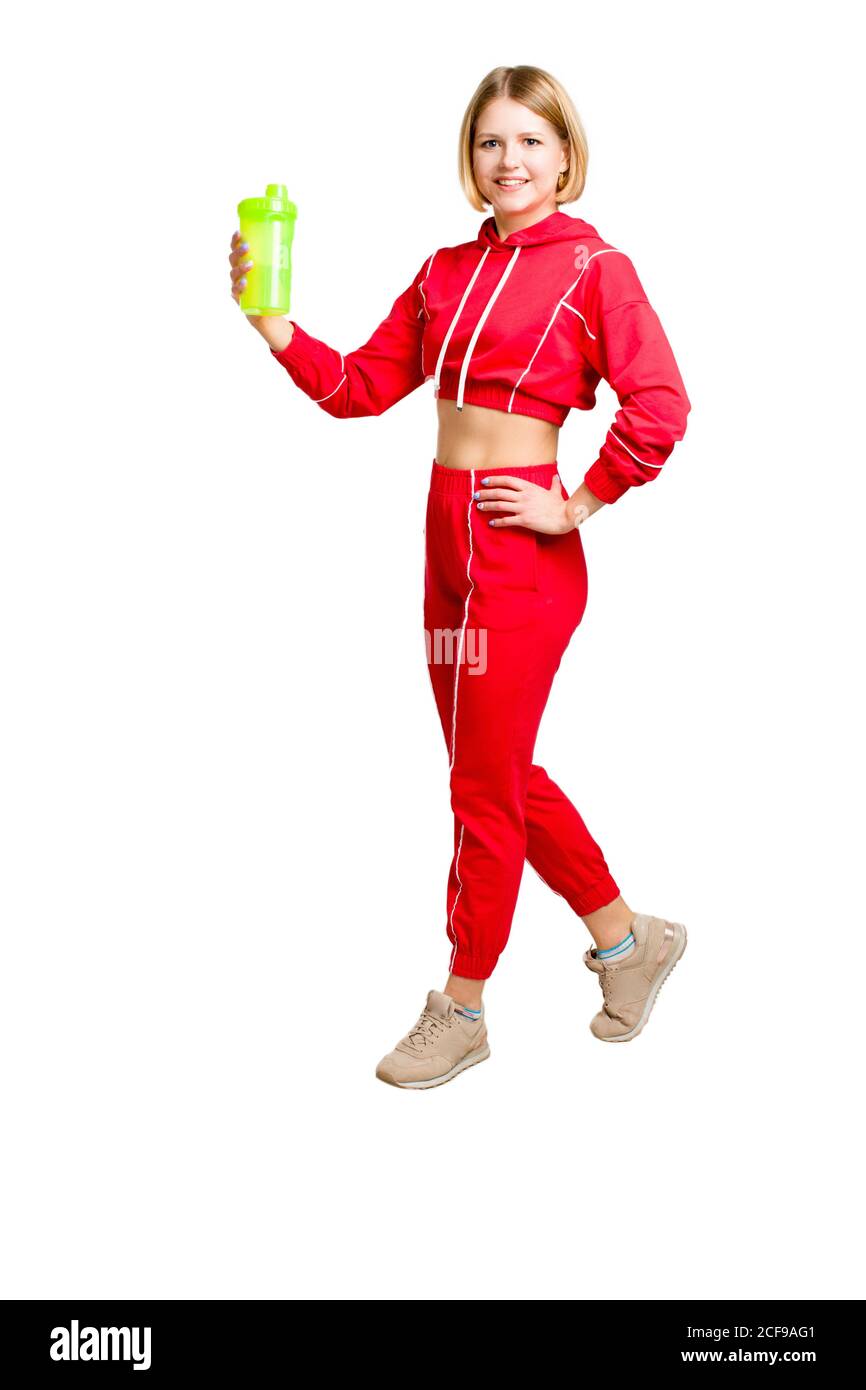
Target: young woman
[514, 328]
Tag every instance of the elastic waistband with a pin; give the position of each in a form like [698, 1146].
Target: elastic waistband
[465, 481]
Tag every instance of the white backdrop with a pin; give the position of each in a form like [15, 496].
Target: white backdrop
[225, 819]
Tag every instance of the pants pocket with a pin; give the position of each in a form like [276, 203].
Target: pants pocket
[512, 553]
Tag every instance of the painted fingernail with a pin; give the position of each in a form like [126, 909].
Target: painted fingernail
[485, 480]
[475, 494]
[480, 506]
[245, 246]
[242, 283]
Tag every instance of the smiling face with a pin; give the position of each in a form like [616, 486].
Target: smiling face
[517, 158]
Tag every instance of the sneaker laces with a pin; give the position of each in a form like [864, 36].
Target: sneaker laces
[426, 1028]
[609, 1010]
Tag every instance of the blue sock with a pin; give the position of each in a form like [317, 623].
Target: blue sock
[465, 1010]
[620, 950]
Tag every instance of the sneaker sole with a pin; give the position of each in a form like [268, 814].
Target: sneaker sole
[468, 1061]
[680, 940]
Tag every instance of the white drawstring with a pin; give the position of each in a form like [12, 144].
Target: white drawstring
[466, 293]
[478, 327]
[480, 324]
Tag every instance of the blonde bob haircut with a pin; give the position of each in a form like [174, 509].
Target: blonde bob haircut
[537, 89]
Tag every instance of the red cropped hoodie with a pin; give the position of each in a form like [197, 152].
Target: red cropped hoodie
[528, 325]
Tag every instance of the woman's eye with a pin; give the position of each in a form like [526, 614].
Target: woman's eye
[491, 141]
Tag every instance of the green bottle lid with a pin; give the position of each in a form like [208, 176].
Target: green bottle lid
[276, 199]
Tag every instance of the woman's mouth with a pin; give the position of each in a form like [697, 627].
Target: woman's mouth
[511, 183]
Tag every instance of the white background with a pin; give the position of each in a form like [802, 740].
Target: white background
[225, 818]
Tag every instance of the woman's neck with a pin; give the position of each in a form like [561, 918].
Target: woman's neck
[520, 221]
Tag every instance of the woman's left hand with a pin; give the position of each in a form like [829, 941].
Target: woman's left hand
[527, 504]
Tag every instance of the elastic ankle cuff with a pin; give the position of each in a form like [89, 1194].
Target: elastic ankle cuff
[473, 967]
[598, 894]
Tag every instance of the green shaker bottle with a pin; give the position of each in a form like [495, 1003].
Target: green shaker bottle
[268, 225]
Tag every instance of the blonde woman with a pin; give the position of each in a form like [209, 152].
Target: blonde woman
[514, 328]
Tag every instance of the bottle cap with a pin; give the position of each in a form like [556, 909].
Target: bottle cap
[276, 199]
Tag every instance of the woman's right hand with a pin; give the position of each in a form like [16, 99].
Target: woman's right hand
[276, 331]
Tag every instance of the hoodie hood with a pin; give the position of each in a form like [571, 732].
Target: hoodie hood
[557, 226]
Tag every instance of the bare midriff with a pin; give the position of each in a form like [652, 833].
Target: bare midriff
[477, 437]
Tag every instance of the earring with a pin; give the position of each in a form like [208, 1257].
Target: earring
[560, 182]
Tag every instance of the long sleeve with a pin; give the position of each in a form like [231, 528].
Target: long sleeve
[374, 377]
[628, 347]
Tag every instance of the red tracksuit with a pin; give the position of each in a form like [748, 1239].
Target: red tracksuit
[528, 325]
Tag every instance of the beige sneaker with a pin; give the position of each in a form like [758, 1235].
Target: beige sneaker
[442, 1043]
[631, 985]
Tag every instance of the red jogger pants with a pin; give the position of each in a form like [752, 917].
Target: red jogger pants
[500, 606]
